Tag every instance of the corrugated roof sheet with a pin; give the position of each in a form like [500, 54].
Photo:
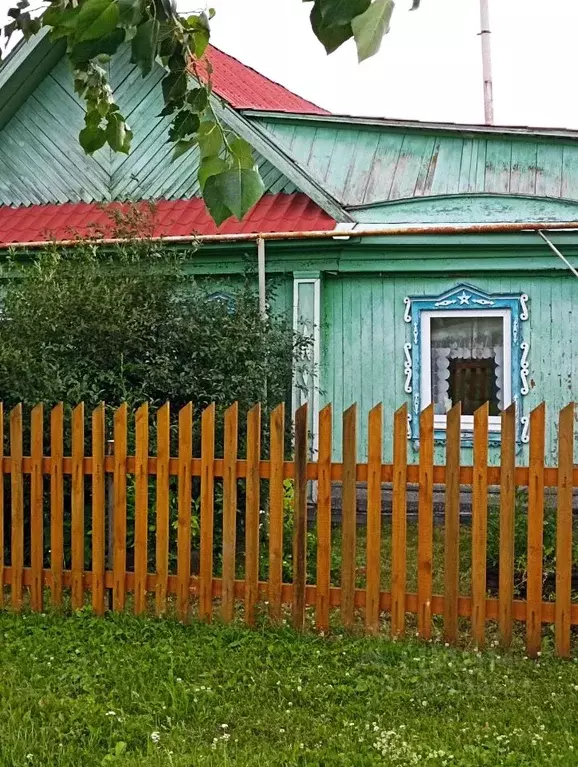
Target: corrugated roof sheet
[168, 218]
[245, 88]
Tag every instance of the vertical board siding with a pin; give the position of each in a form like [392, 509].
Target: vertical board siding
[363, 334]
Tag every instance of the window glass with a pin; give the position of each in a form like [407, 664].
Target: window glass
[467, 363]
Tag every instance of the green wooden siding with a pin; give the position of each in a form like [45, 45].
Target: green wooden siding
[363, 333]
[361, 165]
[41, 160]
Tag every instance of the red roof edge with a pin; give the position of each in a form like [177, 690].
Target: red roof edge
[164, 218]
[245, 88]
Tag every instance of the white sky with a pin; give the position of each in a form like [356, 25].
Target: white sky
[429, 67]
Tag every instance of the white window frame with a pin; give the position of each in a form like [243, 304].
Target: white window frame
[467, 421]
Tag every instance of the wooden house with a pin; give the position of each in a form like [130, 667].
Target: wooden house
[452, 298]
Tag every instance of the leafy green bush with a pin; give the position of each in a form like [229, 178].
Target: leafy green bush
[126, 323]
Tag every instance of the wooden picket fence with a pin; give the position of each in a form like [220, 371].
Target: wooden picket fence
[31, 510]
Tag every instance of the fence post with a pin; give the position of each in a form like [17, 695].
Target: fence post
[399, 523]
[348, 516]
[110, 520]
[452, 524]
[300, 519]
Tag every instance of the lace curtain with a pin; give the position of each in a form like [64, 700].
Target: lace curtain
[464, 338]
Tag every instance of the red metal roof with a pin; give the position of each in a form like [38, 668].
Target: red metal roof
[245, 88]
[168, 218]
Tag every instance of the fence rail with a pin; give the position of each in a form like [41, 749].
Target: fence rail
[45, 495]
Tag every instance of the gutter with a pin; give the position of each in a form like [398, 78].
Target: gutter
[325, 234]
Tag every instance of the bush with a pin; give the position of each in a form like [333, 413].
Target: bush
[126, 323]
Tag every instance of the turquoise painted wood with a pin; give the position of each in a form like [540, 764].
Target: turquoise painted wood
[365, 164]
[41, 160]
[363, 334]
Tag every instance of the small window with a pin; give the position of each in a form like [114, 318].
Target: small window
[466, 346]
[466, 357]
[467, 363]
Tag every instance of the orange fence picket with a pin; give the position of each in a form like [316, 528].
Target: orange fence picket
[479, 524]
[535, 531]
[119, 507]
[252, 513]
[324, 520]
[399, 523]
[36, 556]
[300, 519]
[36, 509]
[17, 492]
[207, 512]
[141, 507]
[348, 516]
[425, 523]
[277, 451]
[162, 508]
[452, 525]
[507, 511]
[564, 531]
[98, 509]
[77, 508]
[57, 501]
[184, 512]
[230, 511]
[373, 562]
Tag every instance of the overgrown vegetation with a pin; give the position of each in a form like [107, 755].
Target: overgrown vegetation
[127, 324]
[121, 691]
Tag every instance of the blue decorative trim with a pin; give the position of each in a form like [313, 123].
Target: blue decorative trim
[466, 297]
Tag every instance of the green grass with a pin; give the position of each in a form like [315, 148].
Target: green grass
[77, 691]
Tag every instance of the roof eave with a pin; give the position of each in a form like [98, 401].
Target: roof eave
[464, 129]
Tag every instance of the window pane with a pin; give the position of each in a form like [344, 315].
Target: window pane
[467, 363]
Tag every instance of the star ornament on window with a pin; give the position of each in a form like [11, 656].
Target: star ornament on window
[464, 298]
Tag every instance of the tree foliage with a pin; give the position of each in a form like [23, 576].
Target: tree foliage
[127, 324]
[95, 30]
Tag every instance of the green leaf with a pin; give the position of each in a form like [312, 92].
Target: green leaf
[242, 152]
[54, 16]
[211, 166]
[91, 138]
[166, 9]
[144, 45]
[118, 135]
[174, 86]
[183, 146]
[371, 26]
[184, 125]
[209, 138]
[198, 99]
[332, 37]
[96, 18]
[341, 12]
[239, 189]
[130, 12]
[212, 196]
[89, 49]
[201, 38]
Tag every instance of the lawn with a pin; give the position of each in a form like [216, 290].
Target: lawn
[79, 691]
